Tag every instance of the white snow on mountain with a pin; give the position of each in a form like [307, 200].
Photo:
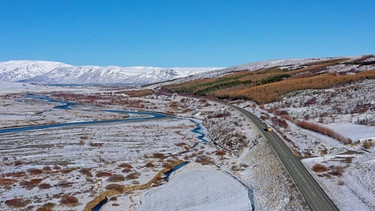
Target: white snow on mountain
[44, 72]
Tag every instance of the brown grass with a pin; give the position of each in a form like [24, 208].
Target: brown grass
[158, 156]
[17, 202]
[134, 175]
[116, 178]
[69, 200]
[44, 186]
[319, 168]
[125, 165]
[64, 184]
[30, 184]
[220, 152]
[86, 171]
[323, 130]
[204, 160]
[262, 87]
[95, 144]
[139, 93]
[16, 174]
[273, 92]
[150, 165]
[6, 181]
[34, 171]
[103, 174]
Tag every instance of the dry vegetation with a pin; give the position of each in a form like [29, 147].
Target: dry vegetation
[269, 85]
[324, 130]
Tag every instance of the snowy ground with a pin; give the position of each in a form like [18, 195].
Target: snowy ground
[349, 111]
[66, 168]
[185, 191]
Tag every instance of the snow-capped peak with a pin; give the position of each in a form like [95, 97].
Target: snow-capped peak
[45, 72]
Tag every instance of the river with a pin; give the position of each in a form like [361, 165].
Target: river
[133, 116]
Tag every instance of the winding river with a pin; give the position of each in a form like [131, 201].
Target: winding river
[133, 116]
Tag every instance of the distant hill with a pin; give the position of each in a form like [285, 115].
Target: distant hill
[268, 81]
[45, 72]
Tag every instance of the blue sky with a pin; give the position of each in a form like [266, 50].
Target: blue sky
[171, 33]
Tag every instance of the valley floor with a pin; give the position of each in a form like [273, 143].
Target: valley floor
[69, 168]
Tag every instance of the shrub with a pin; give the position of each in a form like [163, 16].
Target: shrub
[134, 175]
[44, 186]
[220, 152]
[17, 202]
[86, 171]
[94, 144]
[126, 170]
[319, 168]
[34, 171]
[149, 165]
[30, 184]
[47, 169]
[367, 144]
[125, 165]
[64, 184]
[158, 155]
[16, 174]
[336, 170]
[6, 181]
[17, 162]
[103, 174]
[323, 130]
[204, 160]
[116, 178]
[68, 200]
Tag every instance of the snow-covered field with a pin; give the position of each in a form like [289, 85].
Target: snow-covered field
[185, 191]
[68, 168]
[347, 169]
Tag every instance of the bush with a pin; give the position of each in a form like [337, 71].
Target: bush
[69, 200]
[204, 160]
[134, 175]
[158, 155]
[319, 168]
[6, 181]
[367, 144]
[220, 152]
[103, 174]
[116, 178]
[34, 171]
[337, 171]
[47, 169]
[64, 184]
[93, 144]
[44, 186]
[149, 165]
[17, 202]
[323, 130]
[86, 171]
[125, 165]
[30, 184]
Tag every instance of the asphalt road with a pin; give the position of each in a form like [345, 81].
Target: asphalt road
[314, 195]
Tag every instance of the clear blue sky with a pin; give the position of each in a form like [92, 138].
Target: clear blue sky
[170, 33]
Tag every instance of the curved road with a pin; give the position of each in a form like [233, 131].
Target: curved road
[314, 195]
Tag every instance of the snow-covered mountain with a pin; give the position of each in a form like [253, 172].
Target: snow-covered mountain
[45, 72]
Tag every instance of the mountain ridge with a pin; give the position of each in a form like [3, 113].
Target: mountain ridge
[47, 72]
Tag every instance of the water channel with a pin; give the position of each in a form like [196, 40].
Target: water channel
[137, 116]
